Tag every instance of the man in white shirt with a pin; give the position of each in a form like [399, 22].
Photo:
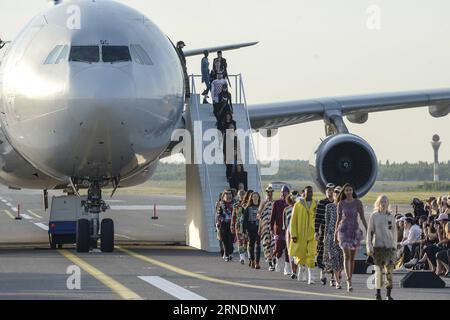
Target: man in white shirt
[412, 235]
[216, 89]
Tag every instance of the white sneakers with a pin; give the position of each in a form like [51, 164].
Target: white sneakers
[302, 274]
[242, 258]
[311, 275]
[411, 263]
[278, 265]
[287, 269]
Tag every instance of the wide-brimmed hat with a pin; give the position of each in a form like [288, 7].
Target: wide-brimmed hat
[442, 217]
[269, 188]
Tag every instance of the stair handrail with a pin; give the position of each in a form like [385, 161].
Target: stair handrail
[194, 92]
[244, 103]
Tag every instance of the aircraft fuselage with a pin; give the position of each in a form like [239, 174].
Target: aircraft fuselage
[99, 118]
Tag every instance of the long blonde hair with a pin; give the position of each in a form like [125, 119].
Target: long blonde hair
[377, 204]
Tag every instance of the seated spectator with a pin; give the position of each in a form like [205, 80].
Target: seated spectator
[442, 257]
[238, 176]
[434, 208]
[412, 234]
[445, 208]
[431, 251]
[428, 203]
[442, 200]
[429, 237]
[400, 227]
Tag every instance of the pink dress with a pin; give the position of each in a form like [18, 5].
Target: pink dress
[349, 233]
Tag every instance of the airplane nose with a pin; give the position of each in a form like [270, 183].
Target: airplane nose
[100, 105]
[103, 82]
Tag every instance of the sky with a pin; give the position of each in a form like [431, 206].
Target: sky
[313, 49]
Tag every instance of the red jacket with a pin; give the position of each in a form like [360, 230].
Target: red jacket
[276, 218]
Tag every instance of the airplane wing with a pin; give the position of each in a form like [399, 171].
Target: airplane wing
[195, 52]
[355, 108]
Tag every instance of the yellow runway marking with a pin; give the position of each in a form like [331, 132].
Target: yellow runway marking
[34, 214]
[9, 214]
[225, 282]
[112, 284]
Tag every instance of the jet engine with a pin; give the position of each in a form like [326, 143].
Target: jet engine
[344, 158]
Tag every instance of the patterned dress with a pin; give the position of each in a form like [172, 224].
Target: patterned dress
[267, 241]
[333, 258]
[319, 226]
[287, 223]
[238, 228]
[349, 233]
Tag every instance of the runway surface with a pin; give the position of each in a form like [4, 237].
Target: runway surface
[149, 262]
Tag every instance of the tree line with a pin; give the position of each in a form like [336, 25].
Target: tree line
[299, 170]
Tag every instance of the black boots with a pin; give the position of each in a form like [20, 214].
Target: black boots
[378, 296]
[388, 294]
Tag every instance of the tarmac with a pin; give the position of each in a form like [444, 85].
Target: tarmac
[150, 261]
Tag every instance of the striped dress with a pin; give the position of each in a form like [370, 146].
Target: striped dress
[287, 223]
[267, 241]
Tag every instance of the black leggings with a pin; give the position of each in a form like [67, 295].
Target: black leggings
[443, 256]
[431, 252]
[227, 238]
[254, 241]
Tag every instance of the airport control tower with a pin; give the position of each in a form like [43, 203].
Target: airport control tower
[436, 143]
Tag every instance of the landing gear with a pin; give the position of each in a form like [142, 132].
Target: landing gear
[83, 235]
[88, 228]
[107, 236]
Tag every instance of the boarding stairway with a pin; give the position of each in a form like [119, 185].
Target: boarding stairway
[205, 181]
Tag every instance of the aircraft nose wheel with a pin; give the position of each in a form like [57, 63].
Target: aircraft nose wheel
[107, 235]
[83, 235]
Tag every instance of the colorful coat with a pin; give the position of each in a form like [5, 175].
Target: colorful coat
[302, 227]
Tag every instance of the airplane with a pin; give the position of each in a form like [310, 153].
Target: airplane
[95, 107]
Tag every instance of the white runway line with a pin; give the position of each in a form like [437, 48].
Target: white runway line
[13, 209]
[25, 216]
[8, 204]
[3, 200]
[41, 225]
[171, 288]
[150, 208]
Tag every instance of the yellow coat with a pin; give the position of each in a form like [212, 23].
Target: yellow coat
[302, 227]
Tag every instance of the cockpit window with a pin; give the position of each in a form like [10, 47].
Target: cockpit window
[51, 58]
[87, 54]
[140, 55]
[62, 55]
[57, 55]
[115, 54]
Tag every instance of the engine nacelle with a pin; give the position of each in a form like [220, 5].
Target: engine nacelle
[345, 158]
